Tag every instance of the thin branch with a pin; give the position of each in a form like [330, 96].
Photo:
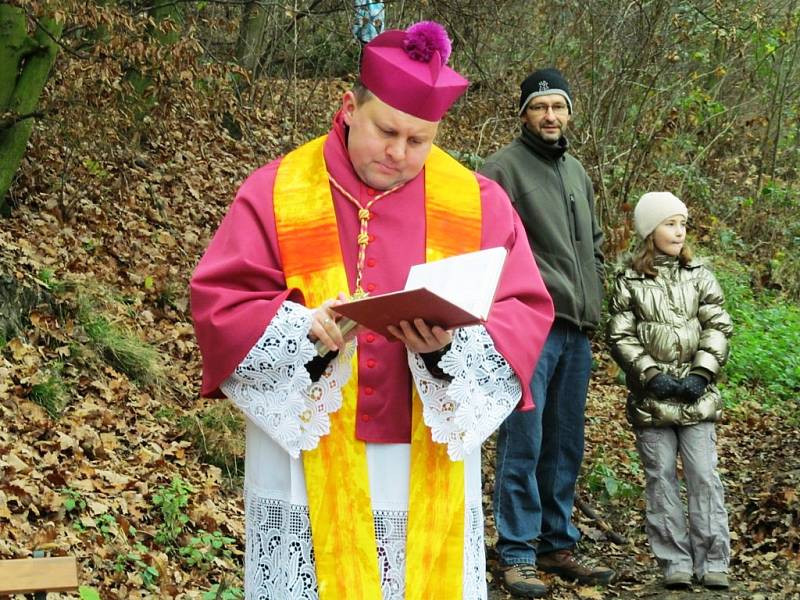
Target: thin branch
[707, 18]
[299, 14]
[601, 523]
[702, 153]
[9, 119]
[57, 41]
[152, 7]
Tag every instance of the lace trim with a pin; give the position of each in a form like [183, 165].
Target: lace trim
[272, 387]
[279, 560]
[484, 391]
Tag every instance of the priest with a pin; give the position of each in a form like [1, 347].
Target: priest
[362, 470]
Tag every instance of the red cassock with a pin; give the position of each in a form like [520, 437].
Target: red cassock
[239, 285]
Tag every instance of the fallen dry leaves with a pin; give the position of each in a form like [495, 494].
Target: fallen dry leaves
[121, 206]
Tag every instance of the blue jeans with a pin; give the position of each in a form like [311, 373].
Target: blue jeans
[539, 453]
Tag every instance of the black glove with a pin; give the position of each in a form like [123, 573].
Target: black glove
[664, 386]
[431, 360]
[693, 386]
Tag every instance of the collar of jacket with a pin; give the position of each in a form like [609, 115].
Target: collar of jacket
[547, 151]
[658, 261]
[664, 260]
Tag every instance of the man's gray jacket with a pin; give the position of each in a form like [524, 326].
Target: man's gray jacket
[555, 200]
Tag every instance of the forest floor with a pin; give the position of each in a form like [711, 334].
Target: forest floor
[107, 451]
[118, 443]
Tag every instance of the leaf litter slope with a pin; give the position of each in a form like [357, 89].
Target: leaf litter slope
[120, 210]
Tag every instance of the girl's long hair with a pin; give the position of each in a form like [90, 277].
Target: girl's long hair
[643, 259]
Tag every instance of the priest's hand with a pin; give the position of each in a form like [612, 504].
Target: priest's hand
[325, 325]
[419, 337]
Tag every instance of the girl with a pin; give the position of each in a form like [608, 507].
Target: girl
[669, 333]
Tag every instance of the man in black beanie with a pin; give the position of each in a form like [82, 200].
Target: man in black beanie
[539, 452]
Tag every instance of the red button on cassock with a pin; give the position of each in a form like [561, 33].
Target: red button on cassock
[371, 287]
[371, 363]
[365, 418]
[369, 391]
[371, 262]
[370, 337]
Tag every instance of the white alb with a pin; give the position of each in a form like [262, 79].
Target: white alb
[286, 412]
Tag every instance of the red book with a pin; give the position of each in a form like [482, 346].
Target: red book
[378, 312]
[453, 292]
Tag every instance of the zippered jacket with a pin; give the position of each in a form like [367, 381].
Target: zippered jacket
[553, 195]
[675, 324]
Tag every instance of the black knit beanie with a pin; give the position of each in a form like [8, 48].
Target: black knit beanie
[542, 83]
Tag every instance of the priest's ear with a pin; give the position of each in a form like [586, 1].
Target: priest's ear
[349, 105]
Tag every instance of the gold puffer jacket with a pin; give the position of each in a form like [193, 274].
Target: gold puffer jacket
[676, 323]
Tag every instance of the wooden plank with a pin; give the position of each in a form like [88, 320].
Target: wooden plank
[23, 575]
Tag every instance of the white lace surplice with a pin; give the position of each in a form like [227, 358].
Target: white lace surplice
[286, 413]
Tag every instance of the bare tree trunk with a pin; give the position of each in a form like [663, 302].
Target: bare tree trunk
[250, 44]
[786, 70]
[25, 64]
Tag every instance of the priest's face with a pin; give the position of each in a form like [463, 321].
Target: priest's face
[386, 146]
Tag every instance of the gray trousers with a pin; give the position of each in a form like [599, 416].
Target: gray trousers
[703, 544]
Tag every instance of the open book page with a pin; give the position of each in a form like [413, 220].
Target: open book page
[453, 292]
[467, 280]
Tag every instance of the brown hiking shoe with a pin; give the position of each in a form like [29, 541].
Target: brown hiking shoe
[563, 564]
[521, 580]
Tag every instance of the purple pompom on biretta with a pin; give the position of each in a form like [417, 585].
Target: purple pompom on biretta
[408, 70]
[425, 38]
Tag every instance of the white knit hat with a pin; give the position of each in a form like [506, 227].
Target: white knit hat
[654, 207]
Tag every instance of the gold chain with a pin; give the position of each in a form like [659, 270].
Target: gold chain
[364, 216]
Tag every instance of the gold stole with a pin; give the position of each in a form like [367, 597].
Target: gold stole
[337, 481]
